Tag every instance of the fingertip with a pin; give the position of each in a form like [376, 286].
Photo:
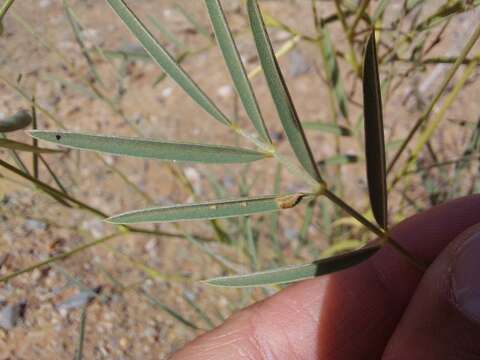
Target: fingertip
[442, 320]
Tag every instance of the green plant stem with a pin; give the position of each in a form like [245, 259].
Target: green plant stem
[35, 141]
[62, 256]
[359, 14]
[441, 164]
[384, 236]
[439, 60]
[352, 57]
[6, 5]
[468, 46]
[81, 338]
[52, 191]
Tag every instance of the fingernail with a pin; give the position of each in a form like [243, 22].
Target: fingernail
[466, 278]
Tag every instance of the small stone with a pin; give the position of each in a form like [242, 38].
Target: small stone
[45, 3]
[96, 227]
[123, 343]
[36, 275]
[151, 245]
[91, 37]
[76, 301]
[167, 92]
[291, 234]
[194, 177]
[32, 225]
[190, 295]
[11, 314]
[109, 159]
[225, 91]
[3, 259]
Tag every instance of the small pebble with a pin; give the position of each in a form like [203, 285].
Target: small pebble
[76, 301]
[225, 91]
[45, 3]
[123, 343]
[11, 314]
[32, 225]
[167, 92]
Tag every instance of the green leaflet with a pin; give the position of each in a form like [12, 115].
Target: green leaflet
[15, 145]
[148, 148]
[327, 128]
[209, 210]
[235, 66]
[333, 71]
[290, 274]
[374, 137]
[127, 54]
[165, 60]
[281, 96]
[340, 159]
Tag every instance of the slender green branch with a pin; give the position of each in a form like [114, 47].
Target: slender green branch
[62, 256]
[360, 13]
[34, 141]
[6, 5]
[351, 56]
[52, 190]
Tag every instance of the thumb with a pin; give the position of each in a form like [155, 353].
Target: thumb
[442, 320]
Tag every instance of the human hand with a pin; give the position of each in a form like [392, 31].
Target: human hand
[383, 308]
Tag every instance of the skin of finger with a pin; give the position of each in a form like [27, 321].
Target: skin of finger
[432, 327]
[350, 314]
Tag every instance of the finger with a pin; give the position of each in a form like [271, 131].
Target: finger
[364, 304]
[443, 319]
[350, 314]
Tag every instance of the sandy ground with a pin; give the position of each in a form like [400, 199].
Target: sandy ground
[126, 318]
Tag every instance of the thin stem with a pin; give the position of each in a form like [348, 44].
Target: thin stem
[52, 191]
[6, 5]
[59, 257]
[35, 141]
[356, 20]
[351, 52]
[384, 236]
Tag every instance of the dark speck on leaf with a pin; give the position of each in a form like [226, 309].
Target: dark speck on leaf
[58, 137]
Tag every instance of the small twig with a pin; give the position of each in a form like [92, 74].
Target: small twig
[384, 236]
[3, 10]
